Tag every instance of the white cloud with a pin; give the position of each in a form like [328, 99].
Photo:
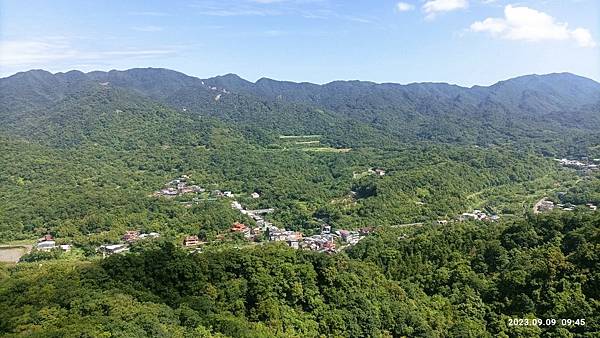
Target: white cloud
[523, 23]
[404, 7]
[491, 25]
[34, 52]
[432, 7]
[583, 37]
[53, 51]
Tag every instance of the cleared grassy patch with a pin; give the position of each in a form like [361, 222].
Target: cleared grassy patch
[307, 142]
[298, 136]
[12, 253]
[328, 150]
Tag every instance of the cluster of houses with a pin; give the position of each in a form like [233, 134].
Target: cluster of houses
[325, 241]
[177, 187]
[48, 243]
[250, 234]
[586, 165]
[292, 238]
[129, 237]
[321, 243]
[134, 235]
[477, 215]
[546, 205]
[353, 237]
[183, 185]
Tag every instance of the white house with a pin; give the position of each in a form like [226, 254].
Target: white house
[46, 245]
[110, 249]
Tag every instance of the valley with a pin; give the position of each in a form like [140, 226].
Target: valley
[222, 207]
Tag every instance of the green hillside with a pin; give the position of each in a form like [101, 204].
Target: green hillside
[404, 170]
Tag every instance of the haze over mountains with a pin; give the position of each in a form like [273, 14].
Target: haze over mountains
[532, 105]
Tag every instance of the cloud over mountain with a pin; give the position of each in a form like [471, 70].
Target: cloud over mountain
[527, 24]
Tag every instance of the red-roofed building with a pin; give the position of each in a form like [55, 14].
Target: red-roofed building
[131, 236]
[46, 237]
[239, 227]
[329, 245]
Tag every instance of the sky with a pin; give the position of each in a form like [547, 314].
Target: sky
[464, 42]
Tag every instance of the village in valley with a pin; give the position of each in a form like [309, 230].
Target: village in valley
[259, 230]
[327, 240]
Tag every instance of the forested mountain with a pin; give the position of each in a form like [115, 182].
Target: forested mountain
[86, 156]
[110, 116]
[527, 107]
[55, 97]
[469, 280]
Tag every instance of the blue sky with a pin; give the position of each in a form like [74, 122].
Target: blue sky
[465, 42]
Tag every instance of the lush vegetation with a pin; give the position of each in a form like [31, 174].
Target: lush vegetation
[82, 155]
[460, 281]
[94, 193]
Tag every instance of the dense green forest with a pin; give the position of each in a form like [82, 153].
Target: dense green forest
[460, 281]
[84, 153]
[87, 191]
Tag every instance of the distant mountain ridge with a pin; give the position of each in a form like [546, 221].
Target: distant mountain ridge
[160, 83]
[529, 105]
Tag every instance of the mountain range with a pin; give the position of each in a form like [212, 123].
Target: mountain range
[346, 112]
[435, 183]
